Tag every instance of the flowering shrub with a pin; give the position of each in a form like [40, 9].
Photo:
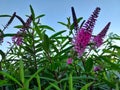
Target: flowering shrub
[76, 61]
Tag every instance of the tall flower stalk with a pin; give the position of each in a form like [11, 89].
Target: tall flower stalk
[83, 34]
[74, 19]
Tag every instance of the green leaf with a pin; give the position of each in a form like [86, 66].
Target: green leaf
[46, 42]
[37, 30]
[84, 77]
[18, 26]
[9, 35]
[10, 77]
[38, 71]
[65, 86]
[88, 65]
[33, 76]
[86, 86]
[22, 71]
[38, 82]
[54, 46]
[5, 15]
[55, 86]
[32, 12]
[65, 44]
[107, 59]
[63, 24]
[117, 86]
[69, 23]
[48, 79]
[40, 16]
[70, 82]
[46, 27]
[57, 34]
[3, 82]
[63, 51]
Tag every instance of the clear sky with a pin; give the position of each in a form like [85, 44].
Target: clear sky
[58, 10]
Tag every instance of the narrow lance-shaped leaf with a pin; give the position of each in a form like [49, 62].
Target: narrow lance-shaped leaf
[38, 71]
[70, 82]
[38, 82]
[37, 29]
[69, 23]
[55, 86]
[5, 15]
[57, 34]
[33, 76]
[9, 35]
[46, 42]
[40, 16]
[22, 71]
[32, 11]
[62, 23]
[46, 27]
[86, 86]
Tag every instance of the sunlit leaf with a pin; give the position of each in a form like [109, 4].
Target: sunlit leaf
[32, 12]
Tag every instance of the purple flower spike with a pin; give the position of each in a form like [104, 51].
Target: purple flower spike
[89, 25]
[28, 22]
[98, 40]
[84, 34]
[17, 39]
[81, 40]
[69, 61]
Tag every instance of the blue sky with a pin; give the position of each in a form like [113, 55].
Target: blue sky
[58, 10]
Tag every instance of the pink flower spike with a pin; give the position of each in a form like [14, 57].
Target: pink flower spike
[98, 40]
[83, 35]
[69, 61]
